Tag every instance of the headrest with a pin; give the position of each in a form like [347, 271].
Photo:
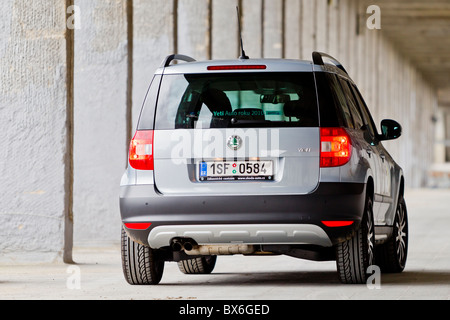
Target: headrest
[216, 100]
[293, 108]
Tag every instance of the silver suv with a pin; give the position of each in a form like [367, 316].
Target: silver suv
[253, 157]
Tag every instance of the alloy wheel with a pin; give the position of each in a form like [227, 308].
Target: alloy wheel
[401, 235]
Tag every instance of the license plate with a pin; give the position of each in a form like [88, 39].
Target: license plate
[235, 170]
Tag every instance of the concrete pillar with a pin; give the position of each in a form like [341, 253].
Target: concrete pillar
[344, 32]
[194, 22]
[352, 63]
[292, 27]
[405, 118]
[153, 40]
[364, 53]
[273, 46]
[225, 41]
[101, 69]
[439, 148]
[333, 29]
[322, 26]
[380, 78]
[447, 127]
[35, 135]
[252, 27]
[308, 18]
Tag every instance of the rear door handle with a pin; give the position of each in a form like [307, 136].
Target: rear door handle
[383, 157]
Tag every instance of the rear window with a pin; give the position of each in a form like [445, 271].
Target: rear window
[237, 100]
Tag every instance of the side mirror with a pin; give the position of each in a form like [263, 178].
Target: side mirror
[390, 129]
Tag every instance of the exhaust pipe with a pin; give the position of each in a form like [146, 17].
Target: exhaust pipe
[215, 250]
[191, 248]
[187, 246]
[177, 245]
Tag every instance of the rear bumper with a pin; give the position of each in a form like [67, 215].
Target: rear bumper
[206, 234]
[264, 219]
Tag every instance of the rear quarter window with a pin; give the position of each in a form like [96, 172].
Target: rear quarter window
[329, 104]
[365, 111]
[147, 116]
[353, 106]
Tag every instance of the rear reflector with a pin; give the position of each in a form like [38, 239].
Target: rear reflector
[335, 147]
[337, 223]
[141, 150]
[138, 225]
[239, 67]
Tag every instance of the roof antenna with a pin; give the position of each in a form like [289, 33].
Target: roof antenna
[243, 56]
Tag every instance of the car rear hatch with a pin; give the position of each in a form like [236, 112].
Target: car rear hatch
[237, 133]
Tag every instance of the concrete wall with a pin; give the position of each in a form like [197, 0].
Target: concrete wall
[118, 47]
[33, 133]
[153, 39]
[100, 122]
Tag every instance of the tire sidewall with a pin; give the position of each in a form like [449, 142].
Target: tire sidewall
[368, 235]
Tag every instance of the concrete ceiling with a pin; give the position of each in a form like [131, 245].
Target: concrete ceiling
[420, 30]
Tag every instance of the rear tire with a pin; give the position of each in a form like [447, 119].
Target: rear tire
[201, 265]
[355, 255]
[391, 255]
[141, 264]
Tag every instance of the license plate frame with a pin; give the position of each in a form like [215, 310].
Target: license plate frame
[241, 170]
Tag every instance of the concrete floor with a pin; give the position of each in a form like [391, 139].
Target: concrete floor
[98, 272]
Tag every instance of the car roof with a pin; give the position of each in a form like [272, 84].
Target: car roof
[270, 65]
[191, 66]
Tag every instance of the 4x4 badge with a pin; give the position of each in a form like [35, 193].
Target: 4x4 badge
[234, 142]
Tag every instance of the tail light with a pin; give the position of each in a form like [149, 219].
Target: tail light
[141, 150]
[335, 147]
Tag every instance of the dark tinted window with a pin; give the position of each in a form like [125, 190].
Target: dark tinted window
[365, 111]
[340, 97]
[329, 105]
[146, 119]
[237, 100]
[354, 110]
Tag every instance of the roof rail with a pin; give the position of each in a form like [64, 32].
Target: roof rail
[166, 62]
[318, 59]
